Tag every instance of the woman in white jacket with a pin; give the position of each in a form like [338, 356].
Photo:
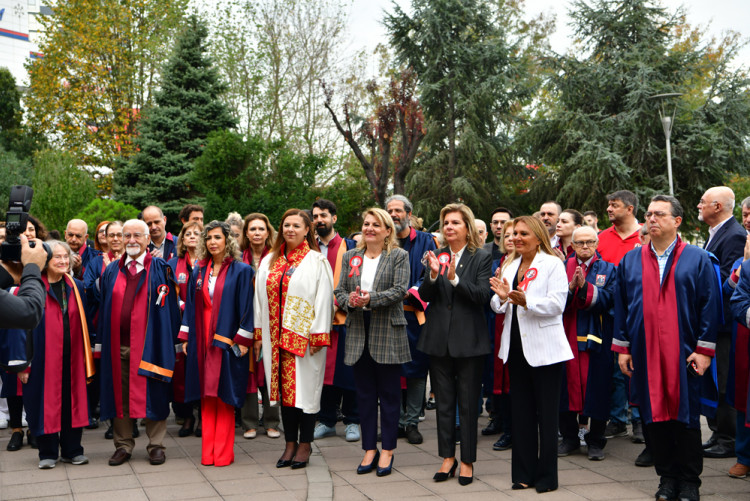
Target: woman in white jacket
[532, 294]
[293, 313]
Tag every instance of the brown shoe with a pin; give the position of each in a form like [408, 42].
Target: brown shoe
[119, 457]
[739, 470]
[157, 456]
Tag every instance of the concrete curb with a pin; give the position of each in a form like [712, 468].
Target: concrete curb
[319, 482]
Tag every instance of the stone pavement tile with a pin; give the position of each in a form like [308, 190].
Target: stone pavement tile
[343, 451]
[35, 490]
[338, 480]
[104, 483]
[724, 485]
[67, 497]
[451, 486]
[271, 470]
[175, 477]
[347, 493]
[294, 482]
[320, 490]
[125, 495]
[418, 472]
[141, 464]
[264, 496]
[478, 496]
[34, 476]
[233, 472]
[738, 496]
[606, 491]
[561, 494]
[96, 469]
[393, 490]
[254, 485]
[581, 476]
[186, 491]
[355, 479]
[492, 467]
[717, 466]
[620, 474]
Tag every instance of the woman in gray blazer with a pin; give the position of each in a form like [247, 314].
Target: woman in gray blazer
[373, 282]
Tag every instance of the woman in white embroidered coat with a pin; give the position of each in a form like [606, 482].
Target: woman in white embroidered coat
[532, 294]
[293, 315]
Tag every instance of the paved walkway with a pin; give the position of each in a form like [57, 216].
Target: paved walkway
[331, 474]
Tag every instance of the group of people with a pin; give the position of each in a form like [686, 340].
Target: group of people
[564, 328]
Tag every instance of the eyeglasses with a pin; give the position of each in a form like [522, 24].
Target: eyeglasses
[117, 235]
[71, 235]
[102, 231]
[658, 213]
[137, 236]
[703, 202]
[61, 258]
[587, 243]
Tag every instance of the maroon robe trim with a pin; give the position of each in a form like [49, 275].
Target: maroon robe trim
[53, 366]
[662, 334]
[741, 367]
[209, 356]
[138, 324]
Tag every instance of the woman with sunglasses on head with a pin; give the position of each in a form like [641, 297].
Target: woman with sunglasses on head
[216, 331]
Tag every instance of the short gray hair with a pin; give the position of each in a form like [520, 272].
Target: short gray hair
[137, 222]
[585, 228]
[60, 243]
[408, 207]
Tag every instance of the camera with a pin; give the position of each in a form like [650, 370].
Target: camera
[16, 220]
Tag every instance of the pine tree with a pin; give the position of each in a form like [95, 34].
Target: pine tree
[173, 133]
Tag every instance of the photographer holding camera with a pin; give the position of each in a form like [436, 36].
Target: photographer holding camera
[23, 311]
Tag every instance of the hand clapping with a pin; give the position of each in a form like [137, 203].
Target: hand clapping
[359, 298]
[578, 280]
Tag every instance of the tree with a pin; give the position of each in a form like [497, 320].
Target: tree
[61, 188]
[254, 176]
[173, 133]
[476, 66]
[13, 171]
[100, 68]
[106, 209]
[597, 131]
[391, 135]
[14, 136]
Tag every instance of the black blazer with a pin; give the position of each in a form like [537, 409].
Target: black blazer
[728, 245]
[456, 325]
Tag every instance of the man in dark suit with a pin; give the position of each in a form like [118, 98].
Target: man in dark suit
[498, 218]
[726, 240]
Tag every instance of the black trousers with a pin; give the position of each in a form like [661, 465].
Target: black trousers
[569, 429]
[298, 426]
[15, 411]
[677, 450]
[724, 424]
[378, 383]
[457, 380]
[535, 411]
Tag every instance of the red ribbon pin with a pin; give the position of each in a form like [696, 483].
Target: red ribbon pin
[527, 278]
[444, 259]
[163, 291]
[355, 262]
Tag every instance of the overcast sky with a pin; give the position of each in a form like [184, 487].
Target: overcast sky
[366, 30]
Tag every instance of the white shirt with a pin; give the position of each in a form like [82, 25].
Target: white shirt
[139, 266]
[211, 285]
[713, 229]
[369, 267]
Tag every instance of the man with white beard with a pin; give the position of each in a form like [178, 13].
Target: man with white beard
[139, 319]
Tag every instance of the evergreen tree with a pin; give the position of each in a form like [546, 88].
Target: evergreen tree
[173, 133]
[598, 130]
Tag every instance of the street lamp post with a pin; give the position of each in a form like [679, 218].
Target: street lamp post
[667, 122]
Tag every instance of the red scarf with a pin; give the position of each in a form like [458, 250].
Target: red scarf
[662, 329]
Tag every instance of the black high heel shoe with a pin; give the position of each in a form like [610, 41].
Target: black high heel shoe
[442, 476]
[466, 480]
[367, 468]
[297, 463]
[382, 472]
[283, 463]
[186, 431]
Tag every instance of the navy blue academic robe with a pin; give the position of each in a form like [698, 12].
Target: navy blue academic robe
[681, 315]
[170, 248]
[88, 254]
[155, 321]
[210, 329]
[416, 245]
[588, 320]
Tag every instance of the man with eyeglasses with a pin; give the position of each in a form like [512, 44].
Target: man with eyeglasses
[726, 240]
[667, 304]
[588, 325]
[498, 218]
[138, 325]
[76, 236]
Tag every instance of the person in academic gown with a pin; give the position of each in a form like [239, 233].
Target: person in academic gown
[293, 319]
[217, 328]
[588, 324]
[55, 383]
[738, 384]
[139, 320]
[182, 269]
[667, 308]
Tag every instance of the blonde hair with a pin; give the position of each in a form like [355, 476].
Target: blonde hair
[385, 219]
[473, 241]
[510, 257]
[539, 230]
[232, 247]
[181, 247]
